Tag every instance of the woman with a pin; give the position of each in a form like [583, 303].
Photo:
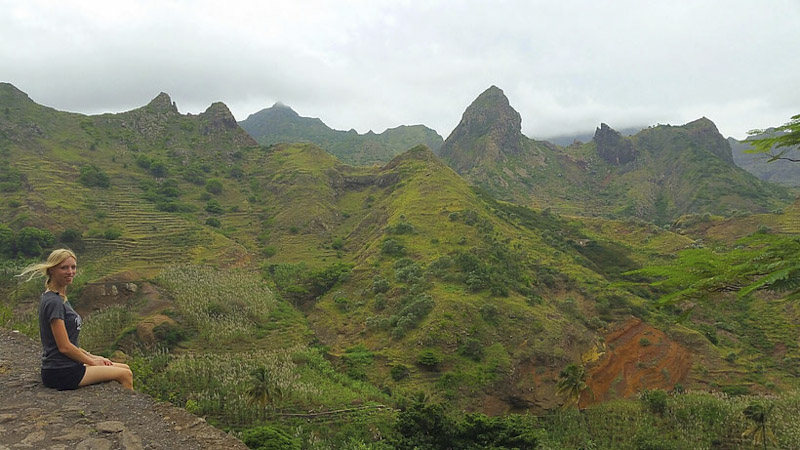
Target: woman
[64, 364]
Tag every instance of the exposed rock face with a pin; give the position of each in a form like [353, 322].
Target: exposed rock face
[162, 104]
[612, 147]
[218, 118]
[489, 130]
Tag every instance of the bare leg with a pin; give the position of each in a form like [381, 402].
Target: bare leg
[118, 372]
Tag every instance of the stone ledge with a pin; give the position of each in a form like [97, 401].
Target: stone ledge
[98, 417]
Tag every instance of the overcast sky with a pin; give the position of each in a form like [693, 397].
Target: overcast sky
[565, 65]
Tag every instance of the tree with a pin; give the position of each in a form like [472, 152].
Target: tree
[92, 176]
[571, 384]
[759, 261]
[779, 141]
[759, 430]
[262, 388]
[31, 241]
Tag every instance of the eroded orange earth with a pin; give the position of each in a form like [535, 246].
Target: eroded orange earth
[635, 357]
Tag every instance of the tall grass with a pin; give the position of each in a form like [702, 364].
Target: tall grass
[101, 328]
[222, 306]
[217, 384]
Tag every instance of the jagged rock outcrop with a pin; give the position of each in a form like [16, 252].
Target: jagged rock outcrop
[613, 147]
[218, 118]
[490, 129]
[162, 104]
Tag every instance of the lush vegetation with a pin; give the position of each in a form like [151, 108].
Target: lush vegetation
[303, 303]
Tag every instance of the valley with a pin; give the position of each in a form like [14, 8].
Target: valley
[258, 281]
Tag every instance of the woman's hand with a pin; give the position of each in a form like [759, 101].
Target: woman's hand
[100, 361]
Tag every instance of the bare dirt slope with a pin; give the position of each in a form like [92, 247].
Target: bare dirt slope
[98, 417]
[636, 357]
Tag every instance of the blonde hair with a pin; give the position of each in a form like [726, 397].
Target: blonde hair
[43, 269]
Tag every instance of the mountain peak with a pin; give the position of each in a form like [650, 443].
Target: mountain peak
[490, 129]
[219, 118]
[10, 93]
[162, 103]
[706, 134]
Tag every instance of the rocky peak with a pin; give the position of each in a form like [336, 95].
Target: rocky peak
[219, 119]
[162, 104]
[612, 146]
[219, 115]
[490, 129]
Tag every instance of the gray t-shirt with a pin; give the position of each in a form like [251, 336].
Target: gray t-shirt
[51, 307]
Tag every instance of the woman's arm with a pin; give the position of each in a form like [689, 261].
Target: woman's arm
[71, 351]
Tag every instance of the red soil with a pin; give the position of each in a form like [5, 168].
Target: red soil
[637, 357]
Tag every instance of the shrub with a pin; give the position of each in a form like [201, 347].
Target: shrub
[472, 349]
[214, 207]
[70, 236]
[31, 241]
[213, 222]
[269, 438]
[337, 244]
[392, 247]
[214, 186]
[7, 241]
[112, 233]
[92, 176]
[10, 179]
[158, 169]
[380, 284]
[429, 359]
[655, 401]
[399, 372]
[401, 228]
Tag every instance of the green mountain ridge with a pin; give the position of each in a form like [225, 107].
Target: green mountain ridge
[658, 174]
[281, 124]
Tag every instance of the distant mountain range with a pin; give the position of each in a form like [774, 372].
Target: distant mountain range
[281, 124]
[658, 174]
[778, 171]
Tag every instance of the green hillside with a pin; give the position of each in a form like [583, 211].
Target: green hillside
[280, 124]
[346, 305]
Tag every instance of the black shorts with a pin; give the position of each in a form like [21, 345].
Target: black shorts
[64, 379]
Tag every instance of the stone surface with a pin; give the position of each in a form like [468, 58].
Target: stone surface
[98, 417]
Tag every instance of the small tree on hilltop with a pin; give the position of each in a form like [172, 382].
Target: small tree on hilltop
[779, 142]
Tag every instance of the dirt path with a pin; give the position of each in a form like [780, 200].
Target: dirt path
[98, 417]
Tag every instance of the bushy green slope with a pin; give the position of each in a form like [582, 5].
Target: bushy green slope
[392, 280]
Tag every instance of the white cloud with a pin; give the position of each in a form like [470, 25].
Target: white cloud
[565, 66]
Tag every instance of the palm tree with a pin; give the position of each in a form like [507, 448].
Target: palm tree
[571, 384]
[759, 429]
[262, 388]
